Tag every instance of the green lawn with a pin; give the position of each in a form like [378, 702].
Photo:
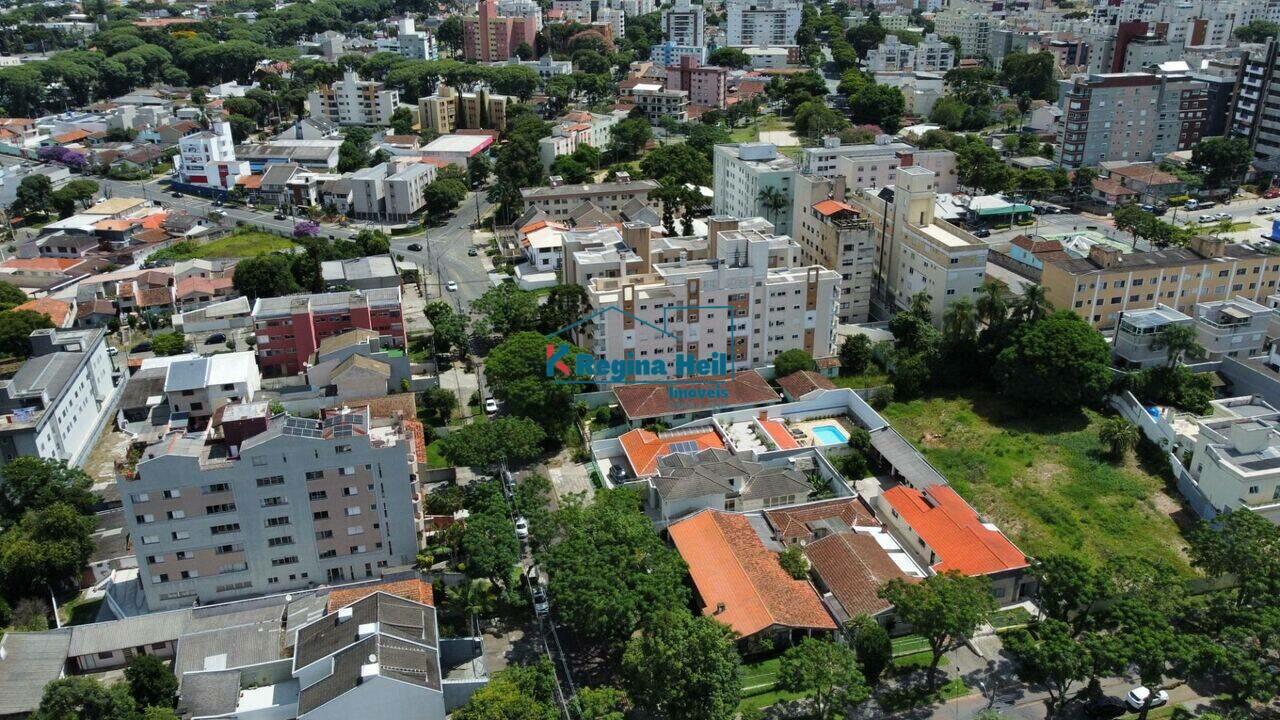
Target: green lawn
[758, 685]
[1043, 479]
[1013, 617]
[909, 644]
[434, 459]
[764, 123]
[871, 378]
[79, 611]
[245, 244]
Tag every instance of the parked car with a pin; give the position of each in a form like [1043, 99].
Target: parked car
[279, 216]
[982, 233]
[1271, 194]
[1264, 210]
[215, 339]
[1105, 708]
[415, 247]
[534, 576]
[112, 350]
[1222, 216]
[472, 252]
[176, 194]
[1205, 218]
[508, 481]
[1139, 695]
[541, 605]
[522, 528]
[491, 406]
[451, 286]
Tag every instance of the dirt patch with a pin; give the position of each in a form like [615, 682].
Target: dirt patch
[1042, 474]
[931, 439]
[112, 446]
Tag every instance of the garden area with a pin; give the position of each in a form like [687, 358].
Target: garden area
[1045, 480]
[238, 245]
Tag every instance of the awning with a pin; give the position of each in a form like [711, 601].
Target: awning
[1006, 210]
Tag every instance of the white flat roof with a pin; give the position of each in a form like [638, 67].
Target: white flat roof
[457, 143]
[937, 233]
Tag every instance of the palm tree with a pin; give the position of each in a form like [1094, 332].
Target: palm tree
[1033, 306]
[476, 597]
[993, 304]
[1119, 436]
[1178, 342]
[918, 305]
[772, 201]
[960, 322]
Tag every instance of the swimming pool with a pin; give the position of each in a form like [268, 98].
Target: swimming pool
[829, 435]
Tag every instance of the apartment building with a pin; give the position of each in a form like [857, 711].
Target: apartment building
[657, 101]
[1137, 342]
[891, 55]
[749, 299]
[255, 503]
[558, 199]
[574, 130]
[546, 66]
[920, 90]
[447, 110]
[390, 192]
[916, 252]
[415, 44]
[1107, 283]
[1235, 328]
[1129, 116]
[761, 23]
[1255, 101]
[705, 84]
[289, 329]
[208, 159]
[684, 23]
[933, 54]
[973, 29]
[352, 101]
[876, 164]
[746, 175]
[833, 234]
[489, 36]
[53, 405]
[197, 387]
[1234, 463]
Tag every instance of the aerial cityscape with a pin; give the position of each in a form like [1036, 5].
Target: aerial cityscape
[639, 359]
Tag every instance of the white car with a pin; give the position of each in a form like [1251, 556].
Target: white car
[540, 604]
[451, 286]
[522, 528]
[1222, 216]
[491, 406]
[1138, 696]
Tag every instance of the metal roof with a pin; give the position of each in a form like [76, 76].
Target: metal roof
[29, 662]
[906, 459]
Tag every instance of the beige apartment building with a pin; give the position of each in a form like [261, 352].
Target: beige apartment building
[1107, 283]
[256, 503]
[352, 101]
[749, 299]
[837, 236]
[448, 111]
[559, 199]
[916, 252]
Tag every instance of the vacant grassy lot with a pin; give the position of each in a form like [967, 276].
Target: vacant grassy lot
[1042, 479]
[247, 244]
[873, 377]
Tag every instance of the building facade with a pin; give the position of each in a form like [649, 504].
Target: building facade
[973, 29]
[833, 234]
[489, 36]
[290, 328]
[559, 199]
[761, 23]
[684, 23]
[1129, 116]
[705, 84]
[749, 176]
[208, 159]
[447, 110]
[352, 101]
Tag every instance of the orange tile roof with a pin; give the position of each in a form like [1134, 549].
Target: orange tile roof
[648, 400]
[113, 225]
[1108, 186]
[793, 523]
[71, 136]
[401, 405]
[209, 286]
[415, 589]
[56, 310]
[778, 433]
[954, 531]
[153, 235]
[153, 297]
[803, 382]
[154, 220]
[853, 566]
[643, 448]
[739, 580]
[827, 208]
[41, 263]
[252, 182]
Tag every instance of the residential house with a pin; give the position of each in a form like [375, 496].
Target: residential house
[1235, 328]
[673, 405]
[1137, 341]
[559, 198]
[687, 483]
[362, 273]
[197, 387]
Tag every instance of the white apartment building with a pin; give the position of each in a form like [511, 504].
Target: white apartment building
[197, 387]
[684, 23]
[762, 23]
[415, 44]
[891, 55]
[916, 252]
[55, 403]
[1235, 328]
[574, 130]
[529, 10]
[889, 22]
[745, 174]
[389, 192]
[876, 164]
[208, 159]
[934, 55]
[352, 101]
[754, 301]
[668, 53]
[1235, 463]
[546, 66]
[1136, 342]
[656, 101]
[973, 29]
[258, 504]
[920, 90]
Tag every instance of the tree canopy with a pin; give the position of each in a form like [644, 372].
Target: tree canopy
[683, 668]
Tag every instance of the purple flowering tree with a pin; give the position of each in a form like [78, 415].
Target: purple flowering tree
[66, 156]
[306, 228]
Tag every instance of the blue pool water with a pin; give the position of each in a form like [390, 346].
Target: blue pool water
[830, 435]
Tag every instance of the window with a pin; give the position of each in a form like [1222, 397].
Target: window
[280, 541]
[144, 519]
[1253, 489]
[352, 511]
[181, 535]
[328, 554]
[150, 539]
[221, 529]
[171, 494]
[140, 497]
[220, 508]
[349, 491]
[320, 515]
[215, 488]
[317, 495]
[288, 560]
[315, 474]
[342, 449]
[226, 549]
[275, 501]
[277, 521]
[269, 481]
[324, 534]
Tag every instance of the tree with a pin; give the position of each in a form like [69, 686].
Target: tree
[1069, 586]
[1032, 307]
[677, 164]
[84, 698]
[1129, 218]
[436, 406]
[402, 121]
[159, 713]
[604, 590]
[442, 196]
[683, 668]
[353, 154]
[1243, 544]
[10, 295]
[565, 305]
[1029, 74]
[517, 693]
[629, 137]
[945, 609]
[505, 310]
[490, 543]
[881, 105]
[449, 34]
[793, 561]
[730, 57]
[872, 646]
[45, 548]
[601, 703]
[1257, 31]
[151, 683]
[1118, 436]
[815, 119]
[32, 483]
[32, 195]
[515, 440]
[450, 327]
[772, 201]
[1048, 656]
[792, 361]
[828, 672]
[269, 275]
[1059, 362]
[855, 354]
[168, 343]
[16, 327]
[479, 168]
[1225, 160]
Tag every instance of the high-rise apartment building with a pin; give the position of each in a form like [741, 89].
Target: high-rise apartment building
[875, 164]
[891, 55]
[352, 101]
[973, 29]
[749, 178]
[489, 36]
[209, 159]
[837, 236]
[685, 24]
[762, 23]
[916, 252]
[1129, 116]
[290, 328]
[706, 84]
[1255, 104]
[447, 110]
[255, 503]
[749, 298]
[415, 44]
[934, 55]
